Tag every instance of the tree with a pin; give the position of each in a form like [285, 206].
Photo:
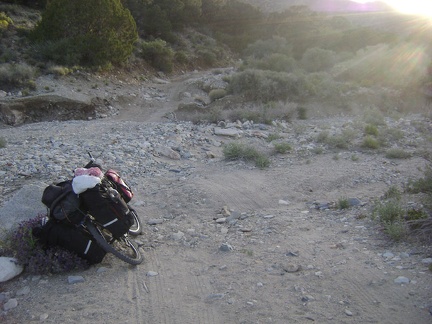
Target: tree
[91, 33]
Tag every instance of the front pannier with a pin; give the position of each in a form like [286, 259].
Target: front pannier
[106, 205]
[73, 239]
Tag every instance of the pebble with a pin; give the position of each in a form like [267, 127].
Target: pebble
[10, 304]
[427, 261]
[225, 247]
[155, 221]
[348, 312]
[401, 280]
[23, 291]
[75, 279]
[152, 274]
[43, 317]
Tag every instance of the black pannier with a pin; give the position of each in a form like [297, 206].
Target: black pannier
[106, 205]
[73, 239]
[63, 203]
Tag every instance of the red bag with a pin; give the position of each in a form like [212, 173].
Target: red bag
[120, 185]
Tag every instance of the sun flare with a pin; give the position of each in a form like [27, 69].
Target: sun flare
[418, 7]
[413, 7]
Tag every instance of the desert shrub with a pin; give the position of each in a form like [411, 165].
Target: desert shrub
[390, 211]
[264, 48]
[274, 62]
[262, 161]
[302, 112]
[158, 54]
[266, 86]
[5, 21]
[343, 203]
[182, 57]
[392, 134]
[354, 158]
[239, 151]
[263, 113]
[373, 117]
[415, 214]
[216, 94]
[422, 185]
[16, 74]
[323, 136]
[395, 230]
[339, 141]
[59, 70]
[393, 192]
[318, 59]
[272, 137]
[282, 147]
[81, 32]
[370, 142]
[206, 57]
[396, 153]
[371, 130]
[37, 259]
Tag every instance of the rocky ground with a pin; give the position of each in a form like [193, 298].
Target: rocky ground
[224, 241]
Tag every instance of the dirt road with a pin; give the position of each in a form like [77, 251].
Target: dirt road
[242, 245]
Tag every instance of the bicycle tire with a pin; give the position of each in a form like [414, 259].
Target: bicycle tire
[136, 228]
[119, 247]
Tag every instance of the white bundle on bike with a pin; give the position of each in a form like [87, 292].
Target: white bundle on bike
[86, 179]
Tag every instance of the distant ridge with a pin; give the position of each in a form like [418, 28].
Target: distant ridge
[320, 5]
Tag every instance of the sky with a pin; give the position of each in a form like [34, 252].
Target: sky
[418, 7]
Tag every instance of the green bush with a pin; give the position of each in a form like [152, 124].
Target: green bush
[390, 211]
[262, 161]
[282, 148]
[2, 142]
[206, 57]
[423, 185]
[302, 112]
[5, 21]
[266, 86]
[371, 130]
[343, 203]
[396, 153]
[274, 62]
[81, 32]
[239, 151]
[264, 48]
[370, 143]
[19, 74]
[393, 192]
[318, 59]
[339, 141]
[216, 94]
[158, 54]
[396, 230]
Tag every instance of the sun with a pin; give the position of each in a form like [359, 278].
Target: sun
[415, 7]
[412, 7]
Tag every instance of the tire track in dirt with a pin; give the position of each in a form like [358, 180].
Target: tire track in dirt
[177, 294]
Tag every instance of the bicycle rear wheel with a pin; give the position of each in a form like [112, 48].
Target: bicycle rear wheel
[136, 228]
[123, 248]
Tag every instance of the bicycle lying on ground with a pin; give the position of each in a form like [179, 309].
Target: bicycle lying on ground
[90, 215]
[122, 247]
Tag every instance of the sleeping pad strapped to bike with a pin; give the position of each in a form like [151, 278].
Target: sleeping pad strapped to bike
[91, 193]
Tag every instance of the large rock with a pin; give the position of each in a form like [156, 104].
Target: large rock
[47, 108]
[23, 205]
[9, 268]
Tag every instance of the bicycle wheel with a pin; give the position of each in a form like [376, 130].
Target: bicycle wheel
[136, 228]
[123, 248]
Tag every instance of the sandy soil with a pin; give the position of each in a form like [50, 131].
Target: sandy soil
[286, 262]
